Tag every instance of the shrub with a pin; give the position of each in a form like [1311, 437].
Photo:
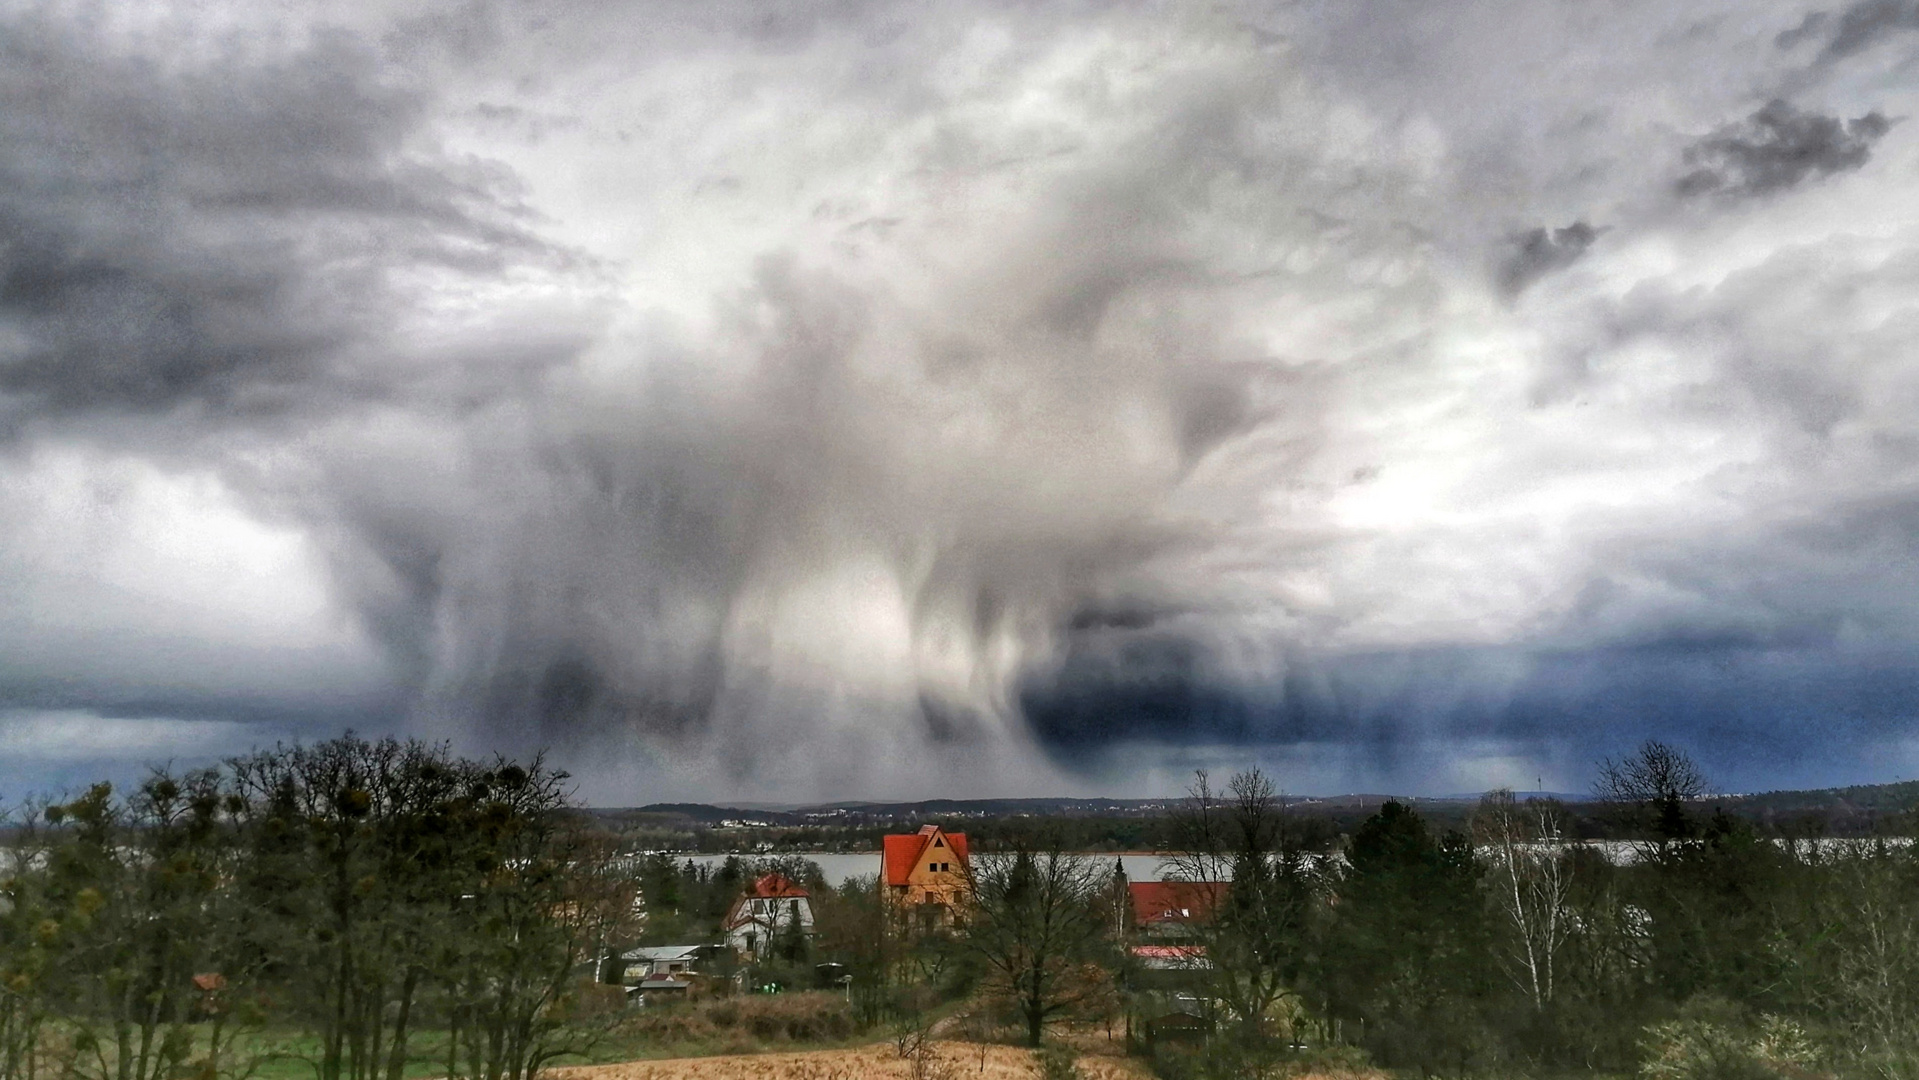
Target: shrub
[1057, 1061]
[1223, 1059]
[748, 1019]
[1701, 1048]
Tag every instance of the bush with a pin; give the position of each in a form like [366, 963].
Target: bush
[1058, 1061]
[1223, 1059]
[1708, 1047]
[747, 1019]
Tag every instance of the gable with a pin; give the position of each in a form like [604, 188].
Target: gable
[906, 854]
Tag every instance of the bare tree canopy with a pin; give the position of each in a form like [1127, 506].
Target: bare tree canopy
[1037, 925]
[1657, 780]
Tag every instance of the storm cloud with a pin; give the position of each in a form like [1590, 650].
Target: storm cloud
[1541, 251]
[1855, 28]
[1777, 147]
[879, 399]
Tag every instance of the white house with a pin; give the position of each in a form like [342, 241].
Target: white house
[769, 907]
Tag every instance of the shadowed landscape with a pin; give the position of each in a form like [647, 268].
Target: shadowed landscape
[386, 910]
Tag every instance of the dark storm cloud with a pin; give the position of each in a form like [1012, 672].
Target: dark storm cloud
[1855, 28]
[1744, 709]
[215, 234]
[201, 249]
[1778, 147]
[1541, 251]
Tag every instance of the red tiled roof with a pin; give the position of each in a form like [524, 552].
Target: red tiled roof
[773, 887]
[768, 887]
[1173, 901]
[1169, 952]
[899, 854]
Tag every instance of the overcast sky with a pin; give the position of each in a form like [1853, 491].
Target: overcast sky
[829, 400]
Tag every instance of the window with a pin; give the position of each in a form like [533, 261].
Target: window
[932, 867]
[938, 842]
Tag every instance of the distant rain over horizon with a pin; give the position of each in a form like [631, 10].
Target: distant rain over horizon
[843, 399]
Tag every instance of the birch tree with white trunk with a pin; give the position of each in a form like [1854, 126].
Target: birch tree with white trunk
[1531, 881]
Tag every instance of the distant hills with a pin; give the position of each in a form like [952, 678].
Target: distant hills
[1872, 800]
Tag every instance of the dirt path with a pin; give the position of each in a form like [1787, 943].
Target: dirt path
[955, 1061]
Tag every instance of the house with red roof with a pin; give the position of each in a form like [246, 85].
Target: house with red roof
[770, 906]
[1164, 909]
[926, 870]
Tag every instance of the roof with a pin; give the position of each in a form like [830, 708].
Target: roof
[768, 887]
[774, 886]
[899, 854]
[1173, 901]
[1171, 957]
[655, 953]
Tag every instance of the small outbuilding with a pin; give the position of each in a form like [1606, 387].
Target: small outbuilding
[657, 960]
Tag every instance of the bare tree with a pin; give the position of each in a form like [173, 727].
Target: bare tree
[1256, 930]
[1871, 976]
[549, 892]
[1654, 785]
[1036, 923]
[1532, 885]
[1203, 833]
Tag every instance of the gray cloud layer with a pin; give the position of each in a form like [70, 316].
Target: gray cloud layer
[1778, 147]
[865, 399]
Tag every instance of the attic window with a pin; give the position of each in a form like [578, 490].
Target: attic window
[939, 843]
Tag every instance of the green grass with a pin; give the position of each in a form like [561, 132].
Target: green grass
[295, 1055]
[743, 1024]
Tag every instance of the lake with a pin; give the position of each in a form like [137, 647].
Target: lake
[841, 867]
